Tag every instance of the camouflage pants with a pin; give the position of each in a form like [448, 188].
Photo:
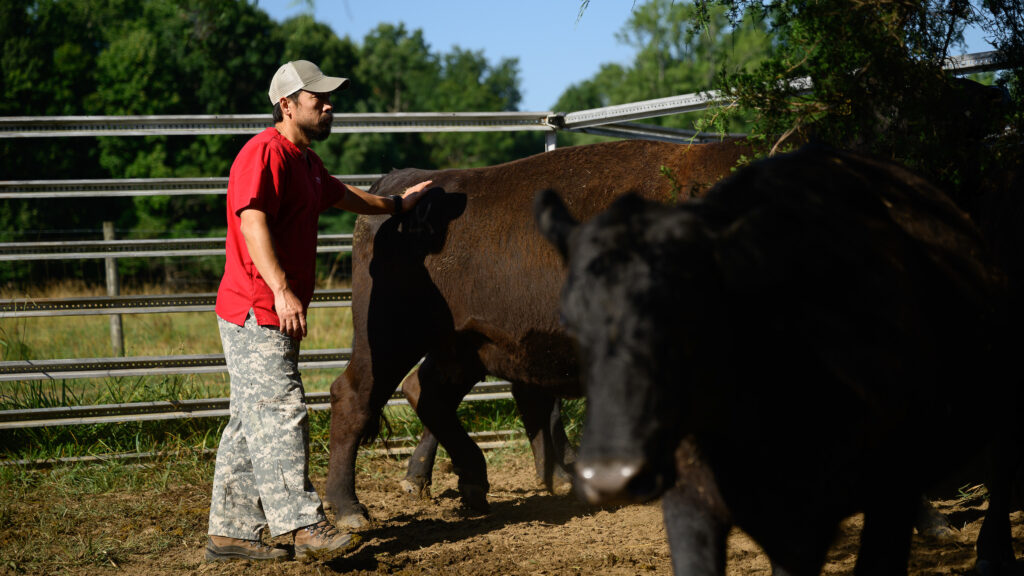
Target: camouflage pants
[261, 477]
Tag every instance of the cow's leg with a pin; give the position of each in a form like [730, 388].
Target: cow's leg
[553, 456]
[697, 521]
[443, 384]
[697, 532]
[419, 475]
[885, 539]
[355, 413]
[347, 424]
[397, 314]
[421, 465]
[995, 540]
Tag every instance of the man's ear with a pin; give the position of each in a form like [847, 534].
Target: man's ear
[286, 106]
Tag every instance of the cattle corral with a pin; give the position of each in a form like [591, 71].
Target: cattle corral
[527, 532]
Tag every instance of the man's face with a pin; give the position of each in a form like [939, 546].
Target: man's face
[314, 114]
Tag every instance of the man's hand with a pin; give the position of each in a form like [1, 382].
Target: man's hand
[413, 194]
[289, 313]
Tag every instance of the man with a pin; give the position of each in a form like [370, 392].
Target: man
[276, 191]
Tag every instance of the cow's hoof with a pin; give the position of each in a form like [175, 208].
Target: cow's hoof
[415, 488]
[561, 484]
[353, 517]
[560, 487]
[930, 523]
[940, 532]
[474, 497]
[353, 522]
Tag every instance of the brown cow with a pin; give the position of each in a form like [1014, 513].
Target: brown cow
[468, 284]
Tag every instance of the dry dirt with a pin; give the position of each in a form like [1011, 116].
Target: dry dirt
[528, 532]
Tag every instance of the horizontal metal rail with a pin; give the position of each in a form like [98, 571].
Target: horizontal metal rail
[179, 409]
[67, 369]
[638, 110]
[196, 125]
[620, 114]
[131, 187]
[651, 132]
[85, 249]
[147, 304]
[977, 62]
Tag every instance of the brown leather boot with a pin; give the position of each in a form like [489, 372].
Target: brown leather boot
[322, 541]
[223, 548]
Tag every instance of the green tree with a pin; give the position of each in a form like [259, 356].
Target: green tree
[876, 68]
[128, 57]
[49, 53]
[181, 57]
[468, 83]
[675, 54]
[395, 70]
[400, 73]
[156, 57]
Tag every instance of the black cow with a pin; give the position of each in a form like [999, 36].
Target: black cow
[821, 334]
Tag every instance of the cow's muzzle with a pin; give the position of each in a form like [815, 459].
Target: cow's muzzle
[617, 481]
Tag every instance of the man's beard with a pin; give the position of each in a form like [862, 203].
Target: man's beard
[319, 132]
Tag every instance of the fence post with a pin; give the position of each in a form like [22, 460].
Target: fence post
[550, 141]
[113, 289]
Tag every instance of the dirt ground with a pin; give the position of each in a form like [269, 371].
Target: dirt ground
[528, 532]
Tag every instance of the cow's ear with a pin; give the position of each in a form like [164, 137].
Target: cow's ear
[553, 220]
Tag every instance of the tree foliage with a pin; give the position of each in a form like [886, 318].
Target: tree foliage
[878, 83]
[675, 53]
[157, 57]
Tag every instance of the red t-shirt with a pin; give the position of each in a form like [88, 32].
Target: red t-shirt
[272, 175]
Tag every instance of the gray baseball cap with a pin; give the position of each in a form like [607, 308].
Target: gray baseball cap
[302, 75]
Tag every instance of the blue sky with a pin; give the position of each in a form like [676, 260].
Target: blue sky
[554, 49]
